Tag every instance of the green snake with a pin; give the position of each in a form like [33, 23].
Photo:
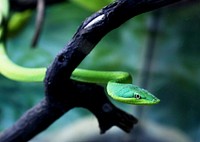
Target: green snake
[119, 84]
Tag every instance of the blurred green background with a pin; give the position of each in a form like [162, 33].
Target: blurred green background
[174, 74]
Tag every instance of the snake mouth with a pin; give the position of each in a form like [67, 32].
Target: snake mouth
[147, 102]
[139, 101]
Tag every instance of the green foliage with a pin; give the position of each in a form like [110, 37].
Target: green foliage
[92, 5]
[17, 22]
[4, 7]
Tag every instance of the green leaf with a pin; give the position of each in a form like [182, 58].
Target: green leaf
[4, 7]
[92, 5]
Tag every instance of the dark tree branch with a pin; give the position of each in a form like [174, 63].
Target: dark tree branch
[89, 96]
[97, 102]
[63, 94]
[35, 120]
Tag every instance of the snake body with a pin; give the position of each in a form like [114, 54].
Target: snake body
[119, 85]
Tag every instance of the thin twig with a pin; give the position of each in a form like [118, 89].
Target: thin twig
[39, 21]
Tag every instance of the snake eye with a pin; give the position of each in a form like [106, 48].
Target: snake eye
[137, 96]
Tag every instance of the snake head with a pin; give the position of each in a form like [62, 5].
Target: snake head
[141, 96]
[128, 93]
